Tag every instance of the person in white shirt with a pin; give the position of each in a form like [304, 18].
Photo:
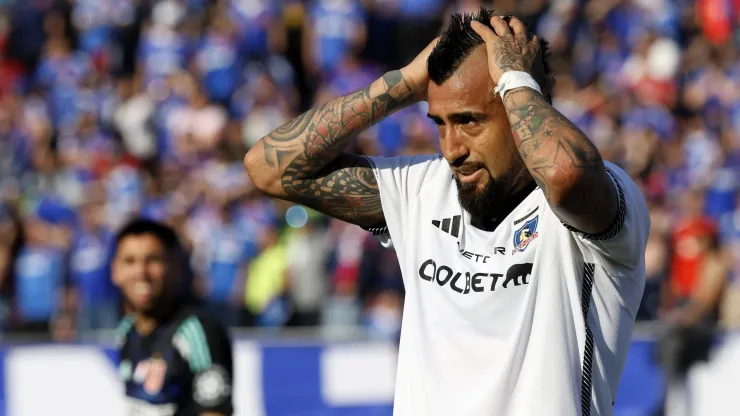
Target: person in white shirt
[522, 251]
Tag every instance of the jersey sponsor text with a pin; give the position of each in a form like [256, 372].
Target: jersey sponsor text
[476, 282]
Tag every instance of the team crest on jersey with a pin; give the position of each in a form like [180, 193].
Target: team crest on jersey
[525, 234]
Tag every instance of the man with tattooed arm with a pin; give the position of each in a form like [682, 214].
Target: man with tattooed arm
[522, 251]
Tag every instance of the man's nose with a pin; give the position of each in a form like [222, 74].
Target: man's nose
[454, 148]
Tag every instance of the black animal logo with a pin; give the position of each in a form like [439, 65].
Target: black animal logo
[519, 274]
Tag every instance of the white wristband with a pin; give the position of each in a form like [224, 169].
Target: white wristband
[515, 79]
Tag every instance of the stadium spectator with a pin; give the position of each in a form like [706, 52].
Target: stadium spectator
[124, 194]
[656, 266]
[162, 49]
[228, 259]
[307, 252]
[418, 22]
[380, 285]
[701, 307]
[691, 326]
[40, 271]
[260, 27]
[383, 316]
[90, 255]
[343, 308]
[332, 29]
[262, 105]
[730, 238]
[197, 126]
[132, 118]
[217, 58]
[266, 281]
[690, 243]
[10, 243]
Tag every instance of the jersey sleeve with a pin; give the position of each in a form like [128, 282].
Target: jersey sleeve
[399, 181]
[206, 348]
[122, 331]
[624, 242]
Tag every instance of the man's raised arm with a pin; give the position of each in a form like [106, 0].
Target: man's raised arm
[303, 161]
[561, 159]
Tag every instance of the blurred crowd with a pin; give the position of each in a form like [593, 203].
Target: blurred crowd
[113, 109]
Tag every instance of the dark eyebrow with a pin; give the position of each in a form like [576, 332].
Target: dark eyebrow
[469, 114]
[475, 115]
[434, 118]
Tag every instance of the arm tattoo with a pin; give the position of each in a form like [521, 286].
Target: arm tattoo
[514, 54]
[308, 151]
[562, 160]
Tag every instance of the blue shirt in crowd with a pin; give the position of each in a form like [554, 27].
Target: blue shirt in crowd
[420, 8]
[335, 24]
[90, 266]
[62, 76]
[253, 18]
[219, 65]
[162, 53]
[124, 190]
[228, 255]
[91, 17]
[39, 276]
[54, 210]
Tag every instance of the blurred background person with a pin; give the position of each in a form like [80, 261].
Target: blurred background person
[307, 252]
[42, 291]
[691, 242]
[730, 249]
[265, 290]
[226, 273]
[97, 303]
[11, 236]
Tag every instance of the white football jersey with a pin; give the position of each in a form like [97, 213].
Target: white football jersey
[533, 318]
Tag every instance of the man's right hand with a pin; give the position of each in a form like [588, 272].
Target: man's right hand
[304, 161]
[416, 73]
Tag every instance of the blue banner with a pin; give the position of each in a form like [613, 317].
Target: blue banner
[321, 379]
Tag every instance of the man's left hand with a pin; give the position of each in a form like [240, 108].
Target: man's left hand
[509, 48]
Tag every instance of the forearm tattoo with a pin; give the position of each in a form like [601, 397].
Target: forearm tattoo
[547, 141]
[308, 151]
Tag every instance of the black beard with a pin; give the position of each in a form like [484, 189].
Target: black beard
[479, 204]
[490, 205]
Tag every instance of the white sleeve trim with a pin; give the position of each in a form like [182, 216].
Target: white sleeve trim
[380, 229]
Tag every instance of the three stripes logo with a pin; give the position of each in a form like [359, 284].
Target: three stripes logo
[449, 225]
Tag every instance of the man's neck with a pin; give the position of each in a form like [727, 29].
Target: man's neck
[491, 223]
[146, 322]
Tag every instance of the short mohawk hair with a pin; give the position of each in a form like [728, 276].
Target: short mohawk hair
[459, 39]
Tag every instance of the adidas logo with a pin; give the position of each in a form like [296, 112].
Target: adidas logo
[445, 224]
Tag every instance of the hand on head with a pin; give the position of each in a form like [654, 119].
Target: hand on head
[508, 45]
[416, 73]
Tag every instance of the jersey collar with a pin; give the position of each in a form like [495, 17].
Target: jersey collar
[466, 225]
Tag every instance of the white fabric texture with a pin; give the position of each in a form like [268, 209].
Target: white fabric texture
[494, 322]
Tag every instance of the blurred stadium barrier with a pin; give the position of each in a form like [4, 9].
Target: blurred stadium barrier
[307, 373]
